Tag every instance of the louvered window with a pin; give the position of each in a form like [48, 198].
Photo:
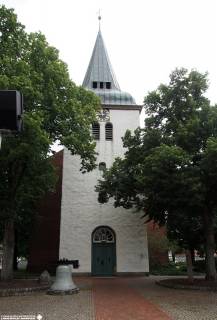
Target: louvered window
[101, 84]
[96, 131]
[94, 84]
[108, 85]
[108, 131]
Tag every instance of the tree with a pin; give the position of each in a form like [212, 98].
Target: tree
[29, 64]
[169, 168]
[26, 174]
[55, 109]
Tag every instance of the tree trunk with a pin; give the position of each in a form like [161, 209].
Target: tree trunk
[8, 251]
[15, 262]
[192, 256]
[209, 246]
[189, 266]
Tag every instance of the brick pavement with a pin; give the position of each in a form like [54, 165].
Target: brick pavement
[115, 300]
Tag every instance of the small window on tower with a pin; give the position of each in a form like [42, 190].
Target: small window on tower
[101, 85]
[94, 84]
[96, 130]
[108, 85]
[109, 131]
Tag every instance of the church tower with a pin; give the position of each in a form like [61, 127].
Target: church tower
[106, 240]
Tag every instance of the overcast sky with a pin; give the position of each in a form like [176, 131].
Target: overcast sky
[145, 39]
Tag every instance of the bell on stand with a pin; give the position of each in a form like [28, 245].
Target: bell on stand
[63, 283]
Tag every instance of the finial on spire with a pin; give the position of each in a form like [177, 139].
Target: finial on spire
[99, 18]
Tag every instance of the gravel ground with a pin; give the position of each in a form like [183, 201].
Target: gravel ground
[74, 307]
[179, 304]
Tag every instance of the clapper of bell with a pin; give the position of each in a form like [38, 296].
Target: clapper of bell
[63, 283]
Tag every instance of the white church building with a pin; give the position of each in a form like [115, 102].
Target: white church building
[73, 225]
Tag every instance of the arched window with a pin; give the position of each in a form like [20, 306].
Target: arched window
[109, 131]
[96, 130]
[104, 235]
[102, 166]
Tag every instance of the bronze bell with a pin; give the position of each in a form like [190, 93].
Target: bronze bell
[63, 283]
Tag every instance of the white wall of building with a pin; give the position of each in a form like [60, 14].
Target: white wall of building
[81, 213]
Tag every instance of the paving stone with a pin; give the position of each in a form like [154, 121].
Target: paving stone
[117, 299]
[75, 307]
[179, 304]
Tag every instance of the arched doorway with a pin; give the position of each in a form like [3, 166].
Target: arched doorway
[103, 252]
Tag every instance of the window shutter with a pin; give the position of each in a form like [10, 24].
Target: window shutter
[108, 131]
[96, 131]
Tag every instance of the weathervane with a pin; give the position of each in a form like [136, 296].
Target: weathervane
[99, 18]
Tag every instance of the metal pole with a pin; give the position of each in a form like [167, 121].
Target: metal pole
[0, 140]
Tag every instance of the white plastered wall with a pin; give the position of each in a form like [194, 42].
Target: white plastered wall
[81, 213]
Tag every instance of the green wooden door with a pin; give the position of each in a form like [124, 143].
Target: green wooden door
[103, 259]
[103, 251]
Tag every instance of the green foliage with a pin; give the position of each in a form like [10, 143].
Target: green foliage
[169, 169]
[55, 109]
[24, 166]
[26, 173]
[172, 269]
[199, 265]
[30, 65]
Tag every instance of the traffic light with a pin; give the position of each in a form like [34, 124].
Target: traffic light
[11, 109]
